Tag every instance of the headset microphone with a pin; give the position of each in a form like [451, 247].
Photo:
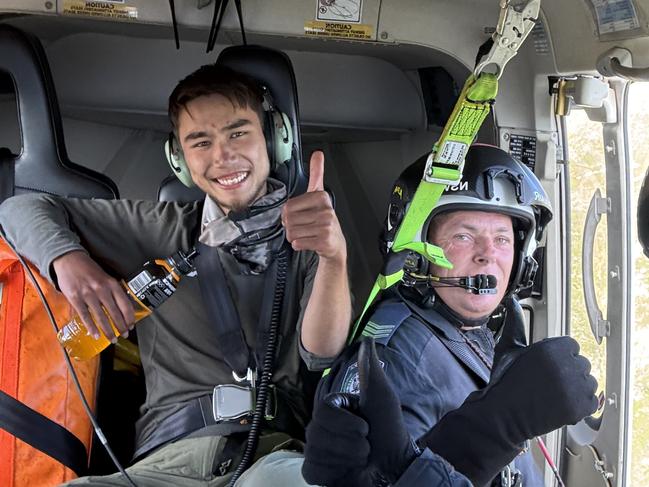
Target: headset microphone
[478, 284]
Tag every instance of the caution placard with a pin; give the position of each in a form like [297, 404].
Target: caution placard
[115, 9]
[339, 30]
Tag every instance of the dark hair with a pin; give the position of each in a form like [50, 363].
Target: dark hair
[242, 90]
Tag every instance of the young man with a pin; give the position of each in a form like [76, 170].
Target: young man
[85, 246]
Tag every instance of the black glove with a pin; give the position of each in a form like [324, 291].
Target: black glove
[392, 449]
[337, 448]
[343, 448]
[533, 390]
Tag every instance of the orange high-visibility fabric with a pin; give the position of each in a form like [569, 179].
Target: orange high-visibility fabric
[33, 370]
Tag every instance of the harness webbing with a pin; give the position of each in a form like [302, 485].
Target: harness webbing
[443, 168]
[446, 161]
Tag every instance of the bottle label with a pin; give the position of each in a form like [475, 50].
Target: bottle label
[151, 290]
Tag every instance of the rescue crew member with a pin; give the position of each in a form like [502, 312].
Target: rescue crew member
[431, 331]
[434, 346]
[85, 246]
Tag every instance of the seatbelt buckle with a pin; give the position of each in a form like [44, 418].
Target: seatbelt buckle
[231, 402]
[517, 19]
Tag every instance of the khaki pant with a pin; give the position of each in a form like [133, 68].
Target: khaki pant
[190, 462]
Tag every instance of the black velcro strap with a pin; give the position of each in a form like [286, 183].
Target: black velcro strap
[43, 434]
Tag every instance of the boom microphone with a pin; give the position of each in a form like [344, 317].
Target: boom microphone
[478, 284]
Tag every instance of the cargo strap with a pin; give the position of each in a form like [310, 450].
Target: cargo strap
[42, 433]
[446, 161]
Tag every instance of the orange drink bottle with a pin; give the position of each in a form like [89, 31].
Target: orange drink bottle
[151, 287]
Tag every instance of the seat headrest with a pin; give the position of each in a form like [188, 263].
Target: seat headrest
[171, 189]
[43, 164]
[273, 69]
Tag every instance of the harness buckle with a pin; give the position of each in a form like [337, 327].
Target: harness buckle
[516, 21]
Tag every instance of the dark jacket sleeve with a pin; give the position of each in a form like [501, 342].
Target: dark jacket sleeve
[119, 234]
[431, 470]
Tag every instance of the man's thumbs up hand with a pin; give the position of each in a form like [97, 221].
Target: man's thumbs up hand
[359, 440]
[310, 220]
[316, 172]
[512, 339]
[392, 449]
[532, 391]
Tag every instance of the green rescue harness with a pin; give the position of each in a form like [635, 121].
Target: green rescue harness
[446, 161]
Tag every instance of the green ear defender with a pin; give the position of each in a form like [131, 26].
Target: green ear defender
[279, 141]
[176, 160]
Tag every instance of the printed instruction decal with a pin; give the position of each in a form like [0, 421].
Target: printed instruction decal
[340, 10]
[615, 15]
[112, 9]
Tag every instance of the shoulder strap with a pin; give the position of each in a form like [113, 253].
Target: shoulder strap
[220, 309]
[385, 320]
[42, 433]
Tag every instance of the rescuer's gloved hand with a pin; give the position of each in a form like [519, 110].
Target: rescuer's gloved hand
[533, 390]
[359, 440]
[337, 448]
[392, 450]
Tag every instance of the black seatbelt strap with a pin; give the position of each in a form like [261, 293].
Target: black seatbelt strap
[220, 309]
[42, 433]
[194, 415]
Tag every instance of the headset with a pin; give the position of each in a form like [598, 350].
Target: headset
[278, 132]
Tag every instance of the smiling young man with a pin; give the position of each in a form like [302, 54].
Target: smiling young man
[247, 218]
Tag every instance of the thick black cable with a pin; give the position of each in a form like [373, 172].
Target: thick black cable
[266, 371]
[172, 6]
[237, 4]
[75, 378]
[217, 7]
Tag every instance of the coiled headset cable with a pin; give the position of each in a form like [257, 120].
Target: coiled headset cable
[267, 369]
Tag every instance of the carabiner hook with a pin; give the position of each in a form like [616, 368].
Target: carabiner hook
[514, 25]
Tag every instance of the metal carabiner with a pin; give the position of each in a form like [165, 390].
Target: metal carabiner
[514, 25]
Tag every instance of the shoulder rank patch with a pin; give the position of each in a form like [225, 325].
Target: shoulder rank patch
[385, 320]
[351, 382]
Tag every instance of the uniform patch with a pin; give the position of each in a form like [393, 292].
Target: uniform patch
[351, 382]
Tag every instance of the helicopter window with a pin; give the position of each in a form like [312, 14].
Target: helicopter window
[638, 121]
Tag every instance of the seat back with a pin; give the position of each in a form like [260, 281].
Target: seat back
[43, 165]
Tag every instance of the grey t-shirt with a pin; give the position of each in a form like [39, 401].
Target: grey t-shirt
[177, 342]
